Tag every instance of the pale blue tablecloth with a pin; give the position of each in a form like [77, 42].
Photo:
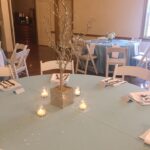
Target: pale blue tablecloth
[109, 123]
[100, 50]
[3, 59]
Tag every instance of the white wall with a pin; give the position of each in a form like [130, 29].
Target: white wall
[121, 16]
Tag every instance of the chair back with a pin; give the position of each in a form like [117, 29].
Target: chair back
[133, 71]
[76, 49]
[54, 64]
[21, 57]
[77, 46]
[110, 51]
[19, 63]
[6, 71]
[90, 48]
[115, 55]
[18, 47]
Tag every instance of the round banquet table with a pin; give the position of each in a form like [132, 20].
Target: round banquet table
[108, 123]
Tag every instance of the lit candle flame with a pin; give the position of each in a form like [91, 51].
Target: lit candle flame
[44, 93]
[77, 91]
[41, 111]
[83, 105]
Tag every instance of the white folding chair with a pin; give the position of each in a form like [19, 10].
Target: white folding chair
[6, 71]
[143, 58]
[115, 55]
[18, 47]
[54, 65]
[19, 63]
[132, 71]
[85, 59]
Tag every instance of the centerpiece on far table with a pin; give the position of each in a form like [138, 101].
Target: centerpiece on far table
[111, 35]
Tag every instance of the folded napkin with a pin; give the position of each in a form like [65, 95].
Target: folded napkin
[9, 85]
[19, 90]
[111, 82]
[119, 83]
[142, 98]
[114, 82]
[146, 136]
[56, 77]
[106, 79]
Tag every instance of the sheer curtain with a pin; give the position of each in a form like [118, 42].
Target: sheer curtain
[147, 21]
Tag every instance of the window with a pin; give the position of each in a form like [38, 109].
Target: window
[147, 21]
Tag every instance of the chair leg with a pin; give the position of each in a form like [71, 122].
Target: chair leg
[16, 74]
[77, 65]
[106, 73]
[86, 66]
[95, 69]
[27, 73]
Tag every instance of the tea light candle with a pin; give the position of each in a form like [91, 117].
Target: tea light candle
[77, 91]
[44, 93]
[83, 105]
[41, 111]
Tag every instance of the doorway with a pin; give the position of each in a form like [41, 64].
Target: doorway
[24, 20]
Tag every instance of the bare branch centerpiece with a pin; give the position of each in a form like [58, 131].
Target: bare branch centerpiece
[62, 95]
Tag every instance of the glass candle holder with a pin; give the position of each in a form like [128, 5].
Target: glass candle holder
[77, 91]
[41, 111]
[44, 93]
[83, 105]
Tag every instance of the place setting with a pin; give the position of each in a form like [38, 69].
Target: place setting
[56, 77]
[145, 137]
[143, 98]
[111, 82]
[7, 85]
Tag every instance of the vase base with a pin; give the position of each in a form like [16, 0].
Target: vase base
[62, 98]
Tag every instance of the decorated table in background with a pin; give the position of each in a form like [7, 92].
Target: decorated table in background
[3, 59]
[101, 46]
[108, 122]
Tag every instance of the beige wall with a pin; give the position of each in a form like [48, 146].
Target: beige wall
[43, 21]
[121, 16]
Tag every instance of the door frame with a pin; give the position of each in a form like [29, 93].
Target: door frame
[7, 25]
